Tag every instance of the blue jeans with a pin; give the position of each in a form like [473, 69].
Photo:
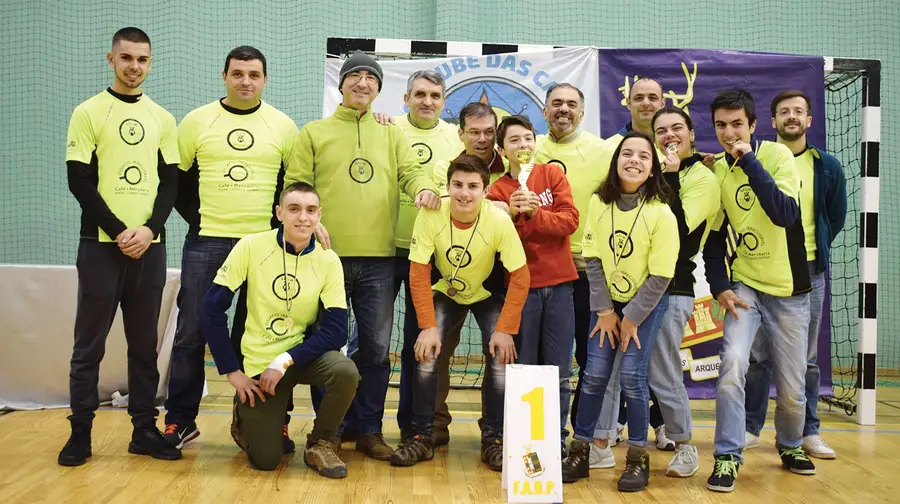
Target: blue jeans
[202, 257]
[785, 322]
[546, 336]
[666, 377]
[633, 376]
[759, 374]
[449, 315]
[369, 282]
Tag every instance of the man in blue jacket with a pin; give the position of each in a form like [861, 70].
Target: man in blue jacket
[823, 208]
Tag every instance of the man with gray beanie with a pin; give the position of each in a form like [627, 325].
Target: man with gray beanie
[359, 168]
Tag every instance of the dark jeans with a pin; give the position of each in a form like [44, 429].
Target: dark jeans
[633, 377]
[369, 282]
[259, 428]
[582, 301]
[545, 337]
[106, 279]
[449, 315]
[202, 258]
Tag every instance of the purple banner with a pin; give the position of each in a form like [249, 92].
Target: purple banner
[691, 78]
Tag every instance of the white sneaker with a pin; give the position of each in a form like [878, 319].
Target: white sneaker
[750, 441]
[620, 435]
[815, 446]
[662, 441]
[601, 458]
[685, 463]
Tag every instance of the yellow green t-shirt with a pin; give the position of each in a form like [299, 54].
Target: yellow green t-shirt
[124, 140]
[769, 258]
[261, 262]
[804, 166]
[239, 156]
[430, 146]
[651, 249]
[493, 233]
[585, 161]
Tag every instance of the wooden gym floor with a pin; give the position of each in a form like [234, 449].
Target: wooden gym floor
[214, 470]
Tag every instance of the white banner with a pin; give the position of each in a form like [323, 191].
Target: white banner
[512, 83]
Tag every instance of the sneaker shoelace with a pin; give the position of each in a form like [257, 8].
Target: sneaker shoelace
[796, 454]
[726, 468]
[325, 450]
[285, 433]
[684, 455]
[817, 441]
[634, 466]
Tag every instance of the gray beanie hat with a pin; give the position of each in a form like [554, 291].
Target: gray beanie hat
[361, 61]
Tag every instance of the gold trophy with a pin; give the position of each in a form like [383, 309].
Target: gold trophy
[525, 165]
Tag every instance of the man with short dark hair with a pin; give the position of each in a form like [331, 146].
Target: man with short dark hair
[540, 204]
[291, 282]
[359, 167]
[477, 132]
[121, 153]
[233, 155]
[823, 209]
[463, 239]
[768, 288]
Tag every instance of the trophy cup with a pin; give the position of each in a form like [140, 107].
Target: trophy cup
[525, 165]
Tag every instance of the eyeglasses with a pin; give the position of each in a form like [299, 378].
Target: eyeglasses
[354, 78]
[478, 133]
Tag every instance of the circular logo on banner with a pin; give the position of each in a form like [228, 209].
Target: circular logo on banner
[278, 287]
[423, 152]
[361, 170]
[131, 131]
[505, 96]
[455, 256]
[745, 197]
[240, 139]
[132, 175]
[237, 173]
[559, 163]
[617, 242]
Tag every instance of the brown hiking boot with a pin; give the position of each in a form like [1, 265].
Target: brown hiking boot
[415, 449]
[492, 454]
[374, 446]
[321, 457]
[577, 465]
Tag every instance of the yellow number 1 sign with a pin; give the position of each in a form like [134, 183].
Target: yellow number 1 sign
[532, 463]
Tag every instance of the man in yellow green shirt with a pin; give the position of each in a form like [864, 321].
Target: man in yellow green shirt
[233, 155]
[823, 209]
[359, 168]
[121, 154]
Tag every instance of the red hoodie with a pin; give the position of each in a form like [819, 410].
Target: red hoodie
[545, 235]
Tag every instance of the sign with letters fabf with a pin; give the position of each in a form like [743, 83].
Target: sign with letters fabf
[532, 464]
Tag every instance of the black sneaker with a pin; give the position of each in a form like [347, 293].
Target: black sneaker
[77, 449]
[179, 434]
[151, 442]
[637, 470]
[416, 449]
[796, 460]
[724, 473]
[577, 465]
[492, 453]
[289, 445]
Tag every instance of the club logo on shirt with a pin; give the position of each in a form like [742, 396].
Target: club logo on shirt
[623, 283]
[423, 152]
[130, 178]
[620, 242]
[276, 325]
[285, 290]
[131, 131]
[361, 170]
[559, 163]
[458, 256]
[413, 243]
[752, 244]
[588, 239]
[237, 172]
[745, 197]
[131, 174]
[240, 139]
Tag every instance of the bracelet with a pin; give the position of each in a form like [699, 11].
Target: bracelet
[605, 312]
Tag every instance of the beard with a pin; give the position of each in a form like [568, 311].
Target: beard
[789, 136]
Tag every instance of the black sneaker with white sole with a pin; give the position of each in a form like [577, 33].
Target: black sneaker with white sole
[179, 434]
[724, 473]
[796, 461]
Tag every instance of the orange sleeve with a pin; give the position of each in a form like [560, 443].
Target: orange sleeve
[511, 314]
[420, 287]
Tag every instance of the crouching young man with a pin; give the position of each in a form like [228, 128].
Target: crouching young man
[464, 237]
[290, 281]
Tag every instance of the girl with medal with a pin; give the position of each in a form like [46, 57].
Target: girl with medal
[630, 247]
